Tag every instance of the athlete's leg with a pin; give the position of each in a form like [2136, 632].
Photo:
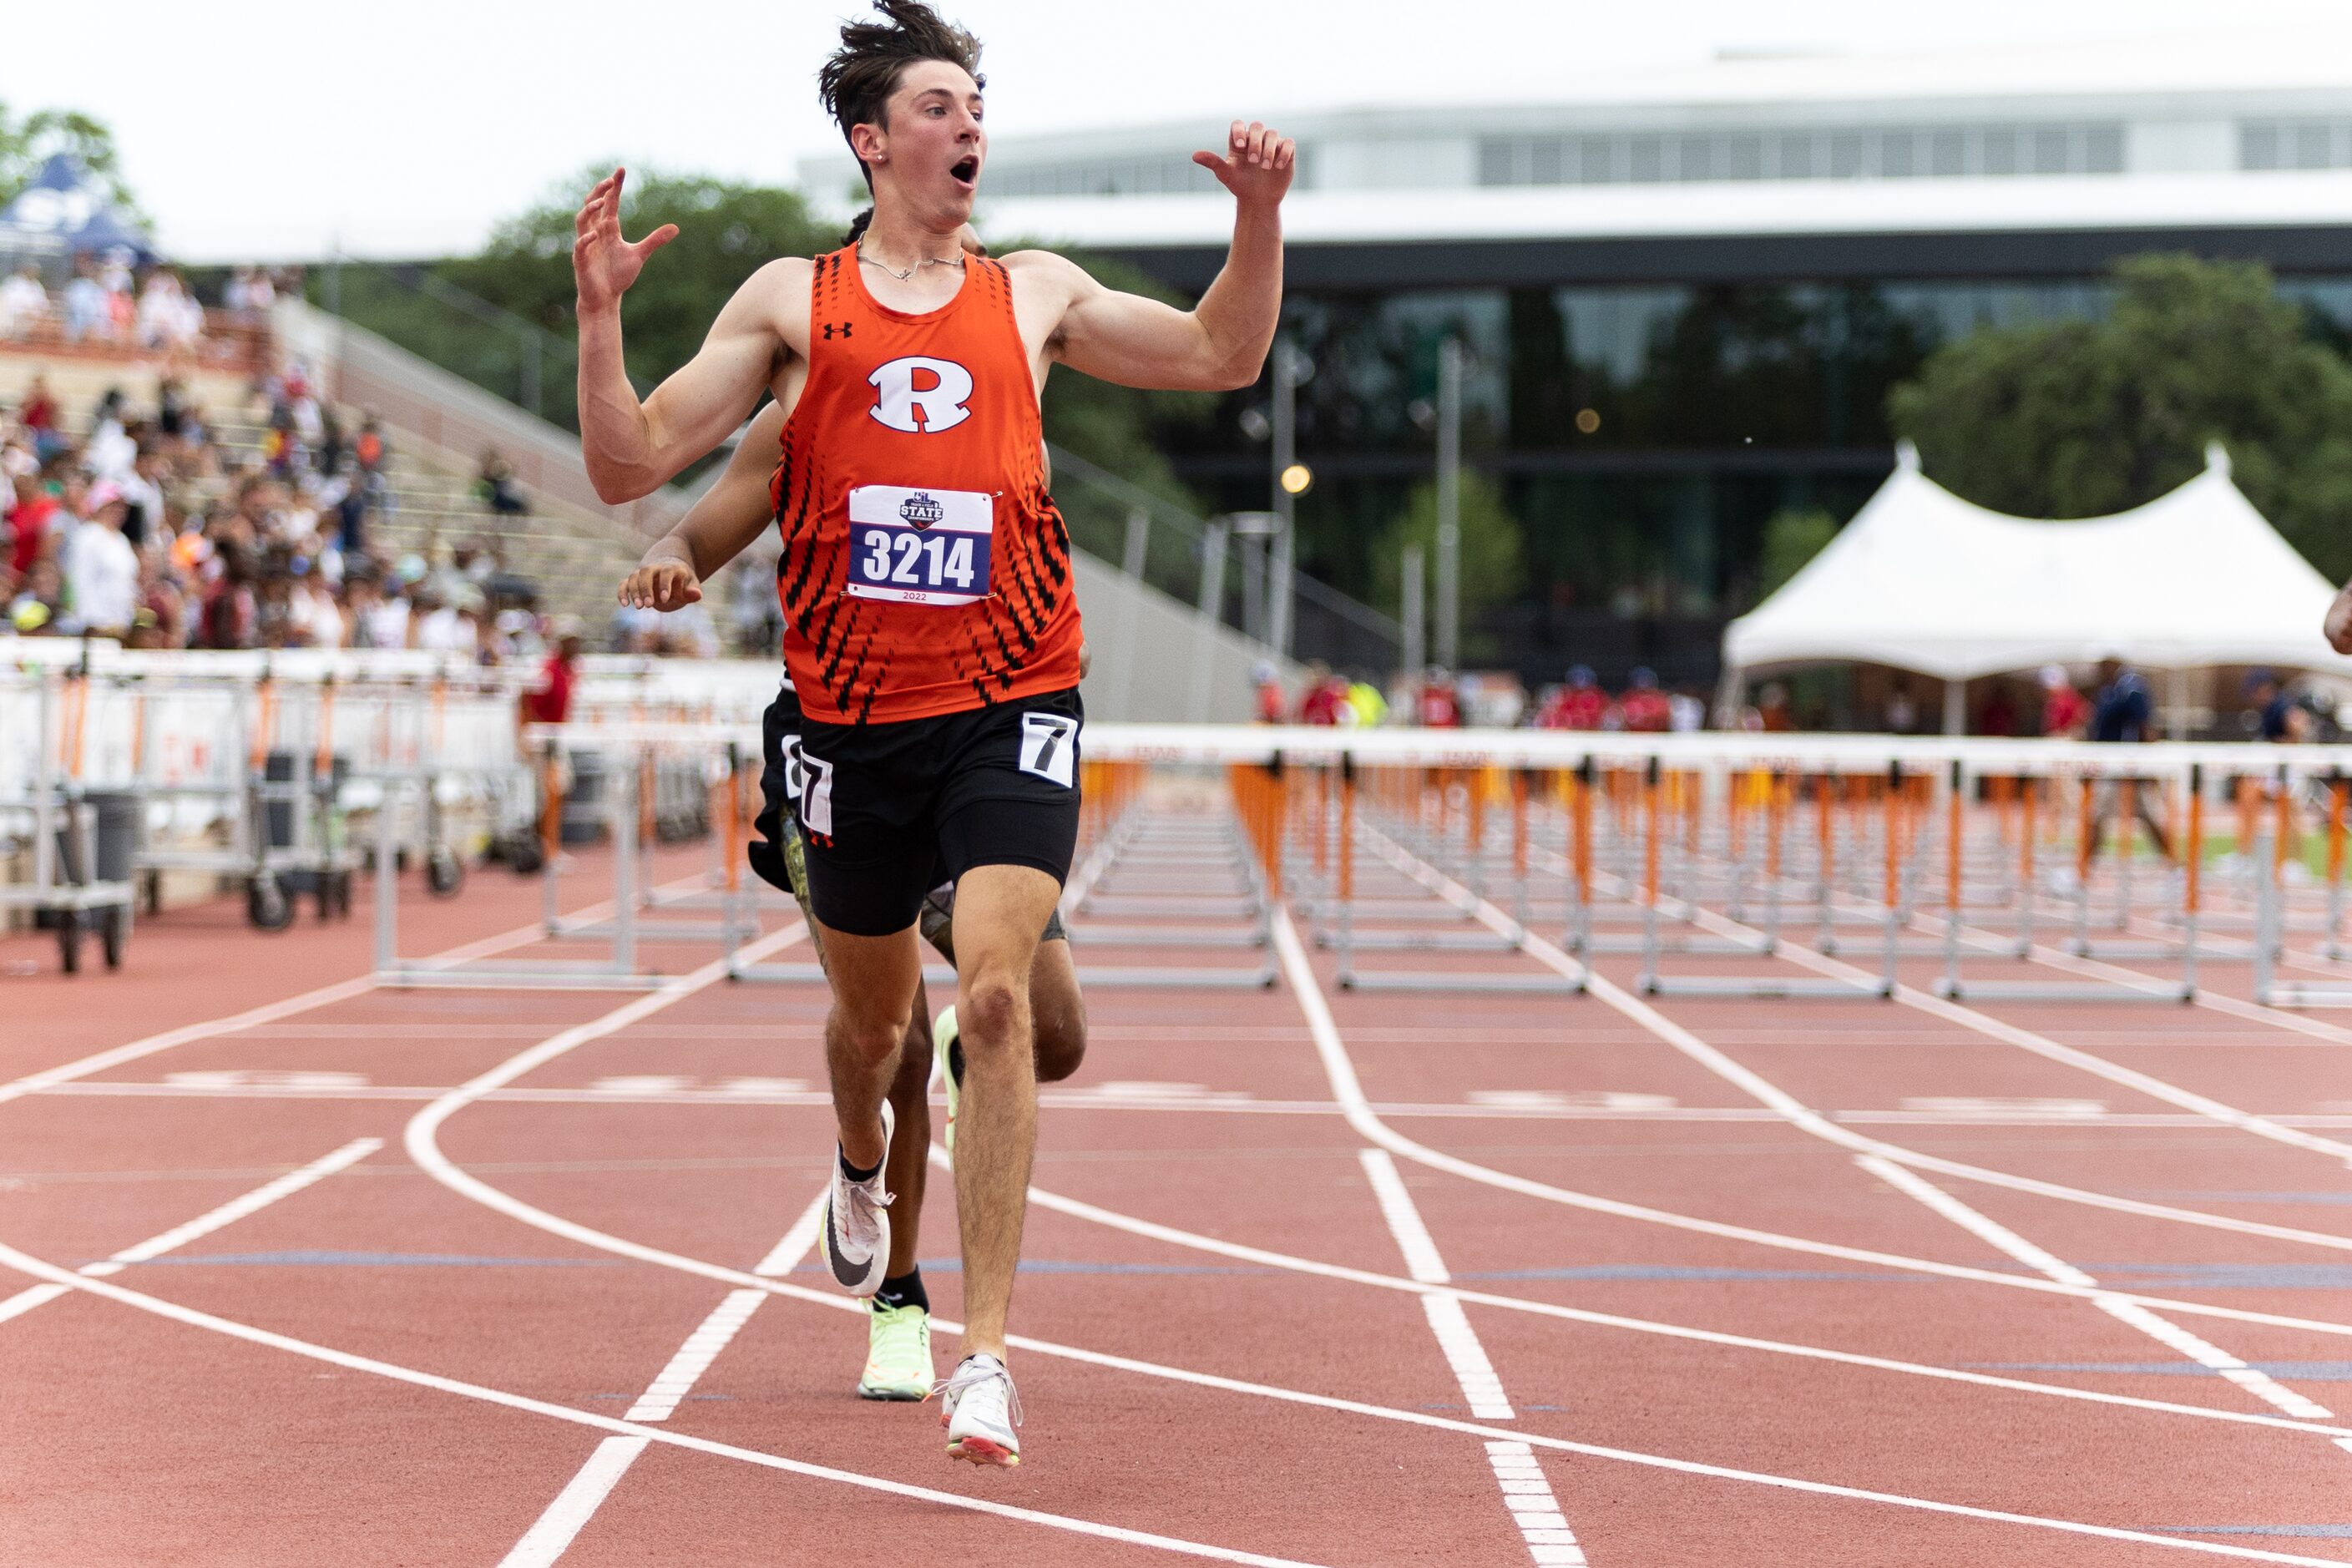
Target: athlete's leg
[874, 982]
[1056, 1007]
[910, 1141]
[999, 910]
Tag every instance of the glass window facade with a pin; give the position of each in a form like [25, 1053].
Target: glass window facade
[2294, 144]
[1897, 152]
[1710, 406]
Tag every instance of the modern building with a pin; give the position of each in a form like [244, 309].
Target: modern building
[1686, 295]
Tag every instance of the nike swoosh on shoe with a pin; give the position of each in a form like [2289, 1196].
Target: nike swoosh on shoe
[849, 1276]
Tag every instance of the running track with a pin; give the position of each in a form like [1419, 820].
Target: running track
[293, 1271]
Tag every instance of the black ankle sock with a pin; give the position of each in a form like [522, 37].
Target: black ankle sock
[955, 1060]
[857, 1172]
[903, 1291]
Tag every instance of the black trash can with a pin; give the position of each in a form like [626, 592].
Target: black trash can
[280, 768]
[114, 823]
[584, 808]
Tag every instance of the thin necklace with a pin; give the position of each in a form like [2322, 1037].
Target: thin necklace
[908, 275]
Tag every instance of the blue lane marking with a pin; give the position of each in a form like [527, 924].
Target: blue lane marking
[374, 1261]
[2230, 1275]
[2339, 1199]
[2296, 1371]
[2309, 1532]
[1670, 1271]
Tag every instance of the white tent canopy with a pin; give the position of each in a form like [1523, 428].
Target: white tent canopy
[1923, 581]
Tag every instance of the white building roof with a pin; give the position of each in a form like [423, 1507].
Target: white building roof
[2176, 122]
[1923, 581]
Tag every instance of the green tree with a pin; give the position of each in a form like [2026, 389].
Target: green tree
[725, 232]
[1494, 562]
[2080, 419]
[1792, 537]
[28, 143]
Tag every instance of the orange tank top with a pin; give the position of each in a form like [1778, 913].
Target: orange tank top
[925, 569]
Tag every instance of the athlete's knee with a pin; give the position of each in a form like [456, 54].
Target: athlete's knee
[994, 1012]
[870, 1033]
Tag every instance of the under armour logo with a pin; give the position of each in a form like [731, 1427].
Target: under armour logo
[936, 388]
[844, 330]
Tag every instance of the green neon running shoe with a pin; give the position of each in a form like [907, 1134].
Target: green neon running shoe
[898, 1354]
[949, 1054]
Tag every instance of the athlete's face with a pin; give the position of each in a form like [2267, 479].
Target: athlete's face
[933, 145]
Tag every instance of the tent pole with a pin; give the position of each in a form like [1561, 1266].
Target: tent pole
[2177, 729]
[1956, 707]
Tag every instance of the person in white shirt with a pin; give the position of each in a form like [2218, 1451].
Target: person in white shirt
[101, 568]
[442, 630]
[23, 302]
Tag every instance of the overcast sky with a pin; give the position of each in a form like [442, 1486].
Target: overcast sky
[410, 130]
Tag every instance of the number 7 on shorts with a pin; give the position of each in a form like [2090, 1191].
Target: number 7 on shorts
[1049, 746]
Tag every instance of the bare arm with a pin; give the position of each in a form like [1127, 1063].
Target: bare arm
[2338, 626]
[632, 448]
[719, 526]
[1220, 343]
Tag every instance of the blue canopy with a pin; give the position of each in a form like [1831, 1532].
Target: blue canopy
[67, 203]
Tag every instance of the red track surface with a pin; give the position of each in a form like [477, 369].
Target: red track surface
[145, 1438]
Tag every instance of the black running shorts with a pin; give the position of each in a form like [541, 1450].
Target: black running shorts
[889, 812]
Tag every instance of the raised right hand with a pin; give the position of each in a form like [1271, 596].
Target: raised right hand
[604, 265]
[661, 585]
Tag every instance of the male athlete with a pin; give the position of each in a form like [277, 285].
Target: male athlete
[721, 524]
[930, 623]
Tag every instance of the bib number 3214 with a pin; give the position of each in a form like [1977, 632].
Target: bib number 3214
[918, 546]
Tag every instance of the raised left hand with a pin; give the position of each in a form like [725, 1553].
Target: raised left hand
[1256, 166]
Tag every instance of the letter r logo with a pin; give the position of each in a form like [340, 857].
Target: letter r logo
[936, 388]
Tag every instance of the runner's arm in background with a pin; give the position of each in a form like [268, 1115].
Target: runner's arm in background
[2339, 625]
[1219, 344]
[632, 448]
[719, 526]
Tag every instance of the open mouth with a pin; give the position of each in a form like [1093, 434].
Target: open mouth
[964, 171]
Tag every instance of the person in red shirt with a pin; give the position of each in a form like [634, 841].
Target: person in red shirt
[1579, 705]
[29, 521]
[552, 703]
[1645, 708]
[1271, 704]
[1440, 707]
[1321, 702]
[2065, 711]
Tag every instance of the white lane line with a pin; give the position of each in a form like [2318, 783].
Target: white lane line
[1459, 1342]
[1534, 1510]
[179, 1235]
[1537, 1512]
[2039, 1044]
[255, 1017]
[23, 1263]
[1347, 1088]
[552, 1534]
[1805, 1116]
[2205, 1353]
[1077, 1209]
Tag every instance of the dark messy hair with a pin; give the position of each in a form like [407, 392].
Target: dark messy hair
[857, 82]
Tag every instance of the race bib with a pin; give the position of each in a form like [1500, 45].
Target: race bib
[918, 546]
[1049, 747]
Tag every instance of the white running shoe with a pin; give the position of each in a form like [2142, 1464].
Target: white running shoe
[982, 1411]
[854, 1231]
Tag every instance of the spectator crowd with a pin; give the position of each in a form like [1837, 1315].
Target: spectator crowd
[137, 522]
[1439, 700]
